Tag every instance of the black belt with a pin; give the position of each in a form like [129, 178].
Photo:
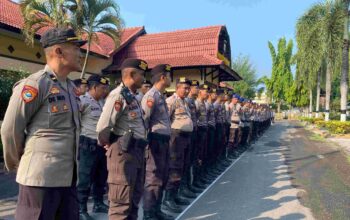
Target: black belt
[87, 143]
[202, 128]
[182, 133]
[137, 142]
[158, 137]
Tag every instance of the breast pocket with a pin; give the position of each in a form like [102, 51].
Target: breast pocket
[60, 115]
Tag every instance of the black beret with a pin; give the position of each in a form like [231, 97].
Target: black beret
[204, 87]
[78, 82]
[134, 63]
[194, 83]
[99, 79]
[60, 35]
[161, 68]
[220, 91]
[183, 80]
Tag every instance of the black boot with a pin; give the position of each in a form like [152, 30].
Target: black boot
[158, 210]
[185, 192]
[99, 206]
[169, 202]
[83, 215]
[149, 215]
[180, 200]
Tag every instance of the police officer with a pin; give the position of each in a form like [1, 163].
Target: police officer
[180, 140]
[92, 158]
[202, 136]
[157, 154]
[146, 86]
[219, 130]
[82, 85]
[40, 132]
[121, 129]
[235, 121]
[211, 131]
[244, 116]
[191, 98]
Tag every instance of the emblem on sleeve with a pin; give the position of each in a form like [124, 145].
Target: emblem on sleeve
[29, 93]
[65, 107]
[54, 108]
[118, 105]
[150, 102]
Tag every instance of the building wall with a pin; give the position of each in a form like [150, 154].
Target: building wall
[24, 57]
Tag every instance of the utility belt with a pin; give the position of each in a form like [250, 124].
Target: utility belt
[246, 121]
[128, 141]
[235, 122]
[182, 133]
[211, 126]
[158, 137]
[202, 128]
[87, 143]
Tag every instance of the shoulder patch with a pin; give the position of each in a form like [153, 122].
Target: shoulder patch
[150, 101]
[118, 105]
[29, 93]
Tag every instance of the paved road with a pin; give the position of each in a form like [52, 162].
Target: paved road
[288, 174]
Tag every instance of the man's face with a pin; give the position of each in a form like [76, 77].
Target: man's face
[213, 96]
[83, 89]
[234, 100]
[100, 91]
[71, 56]
[145, 88]
[194, 90]
[183, 90]
[203, 94]
[138, 77]
[167, 80]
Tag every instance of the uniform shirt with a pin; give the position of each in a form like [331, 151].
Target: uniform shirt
[90, 113]
[119, 117]
[40, 131]
[218, 112]
[156, 112]
[202, 113]
[211, 114]
[235, 120]
[179, 113]
[139, 97]
[192, 106]
[228, 112]
[223, 113]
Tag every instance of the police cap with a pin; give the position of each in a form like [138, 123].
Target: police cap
[78, 82]
[194, 83]
[134, 63]
[183, 80]
[160, 69]
[99, 79]
[60, 35]
[204, 87]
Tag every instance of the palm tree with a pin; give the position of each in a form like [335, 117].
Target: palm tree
[43, 14]
[94, 17]
[345, 63]
[319, 37]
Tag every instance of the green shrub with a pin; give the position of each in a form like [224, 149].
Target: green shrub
[310, 120]
[335, 127]
[7, 79]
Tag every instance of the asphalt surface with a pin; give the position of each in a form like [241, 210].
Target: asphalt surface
[287, 174]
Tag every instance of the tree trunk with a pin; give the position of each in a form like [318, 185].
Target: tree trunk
[86, 58]
[310, 104]
[328, 89]
[345, 67]
[279, 107]
[318, 91]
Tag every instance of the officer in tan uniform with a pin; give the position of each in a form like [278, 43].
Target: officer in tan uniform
[92, 158]
[40, 132]
[157, 153]
[180, 140]
[121, 129]
[235, 121]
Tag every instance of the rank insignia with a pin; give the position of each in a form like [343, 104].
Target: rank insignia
[54, 90]
[65, 107]
[133, 114]
[29, 93]
[118, 105]
[54, 108]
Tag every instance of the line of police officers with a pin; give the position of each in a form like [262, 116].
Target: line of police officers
[145, 145]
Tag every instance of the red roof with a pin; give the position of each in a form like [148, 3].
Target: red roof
[10, 14]
[193, 47]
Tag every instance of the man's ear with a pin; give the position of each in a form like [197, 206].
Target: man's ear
[58, 51]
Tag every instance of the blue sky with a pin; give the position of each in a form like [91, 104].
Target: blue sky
[250, 23]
